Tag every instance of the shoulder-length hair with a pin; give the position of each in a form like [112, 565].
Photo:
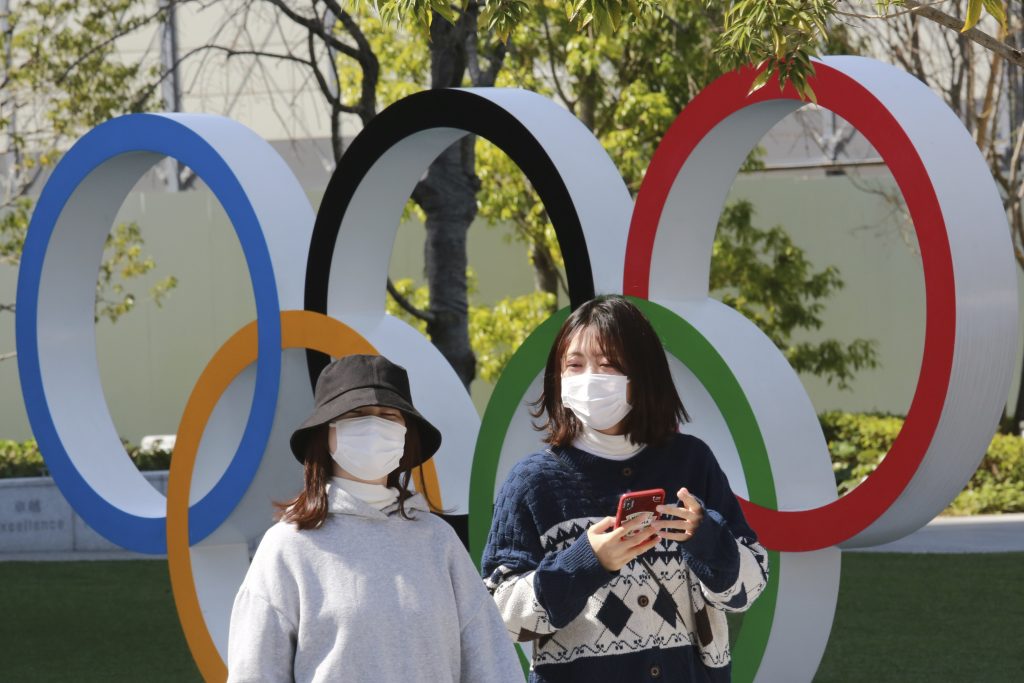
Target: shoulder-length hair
[308, 510]
[631, 345]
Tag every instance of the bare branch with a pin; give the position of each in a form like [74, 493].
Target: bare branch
[333, 98]
[983, 39]
[407, 306]
[125, 29]
[367, 60]
[315, 26]
[570, 103]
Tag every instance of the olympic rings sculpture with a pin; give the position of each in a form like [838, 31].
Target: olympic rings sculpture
[318, 286]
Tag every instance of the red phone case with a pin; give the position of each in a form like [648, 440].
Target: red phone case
[639, 503]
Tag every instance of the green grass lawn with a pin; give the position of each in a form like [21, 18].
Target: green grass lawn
[900, 618]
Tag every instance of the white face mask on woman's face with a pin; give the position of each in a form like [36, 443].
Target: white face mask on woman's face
[599, 401]
[368, 447]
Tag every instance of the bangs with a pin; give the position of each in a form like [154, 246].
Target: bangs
[598, 337]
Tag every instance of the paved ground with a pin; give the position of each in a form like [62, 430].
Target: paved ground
[979, 534]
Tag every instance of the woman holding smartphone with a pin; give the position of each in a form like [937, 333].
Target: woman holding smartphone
[358, 581]
[597, 605]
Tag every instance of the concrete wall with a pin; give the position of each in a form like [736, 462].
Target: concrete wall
[35, 520]
[150, 359]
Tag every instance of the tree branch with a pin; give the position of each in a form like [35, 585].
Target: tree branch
[407, 306]
[983, 39]
[314, 25]
[125, 29]
[368, 61]
[570, 103]
[333, 98]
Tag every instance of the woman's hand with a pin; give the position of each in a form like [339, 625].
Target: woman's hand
[613, 550]
[689, 515]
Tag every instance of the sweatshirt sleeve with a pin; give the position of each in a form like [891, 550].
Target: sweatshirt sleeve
[537, 592]
[724, 553]
[261, 641]
[263, 630]
[487, 654]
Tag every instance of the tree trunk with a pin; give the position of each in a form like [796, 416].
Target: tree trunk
[447, 195]
[545, 274]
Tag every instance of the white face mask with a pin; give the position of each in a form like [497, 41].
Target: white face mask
[368, 447]
[599, 401]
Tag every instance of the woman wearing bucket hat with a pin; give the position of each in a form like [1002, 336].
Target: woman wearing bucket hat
[358, 581]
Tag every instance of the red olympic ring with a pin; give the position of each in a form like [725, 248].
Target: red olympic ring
[835, 522]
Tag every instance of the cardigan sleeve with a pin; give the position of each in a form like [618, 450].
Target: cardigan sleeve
[724, 553]
[537, 592]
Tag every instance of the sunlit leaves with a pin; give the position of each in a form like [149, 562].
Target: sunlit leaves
[495, 332]
[501, 17]
[780, 36]
[974, 7]
[124, 260]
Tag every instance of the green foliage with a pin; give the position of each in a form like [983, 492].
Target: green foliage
[858, 442]
[628, 88]
[63, 60]
[23, 459]
[123, 260]
[403, 55]
[502, 17]
[20, 459]
[495, 332]
[779, 36]
[62, 76]
[974, 7]
[765, 276]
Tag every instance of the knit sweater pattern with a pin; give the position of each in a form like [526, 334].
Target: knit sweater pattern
[587, 623]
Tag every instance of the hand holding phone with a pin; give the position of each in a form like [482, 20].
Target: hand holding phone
[641, 505]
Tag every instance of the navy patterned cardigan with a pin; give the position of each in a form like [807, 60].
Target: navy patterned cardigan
[589, 624]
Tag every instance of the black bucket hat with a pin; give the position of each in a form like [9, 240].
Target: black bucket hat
[363, 380]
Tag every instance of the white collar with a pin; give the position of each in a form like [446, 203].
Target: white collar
[608, 446]
[376, 496]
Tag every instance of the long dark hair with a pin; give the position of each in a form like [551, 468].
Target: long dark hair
[308, 510]
[631, 345]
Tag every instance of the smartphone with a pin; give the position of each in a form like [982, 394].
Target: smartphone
[639, 504]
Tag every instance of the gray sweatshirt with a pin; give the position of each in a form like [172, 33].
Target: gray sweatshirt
[368, 597]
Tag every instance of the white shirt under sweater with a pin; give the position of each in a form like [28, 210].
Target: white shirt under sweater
[607, 446]
[375, 495]
[368, 597]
